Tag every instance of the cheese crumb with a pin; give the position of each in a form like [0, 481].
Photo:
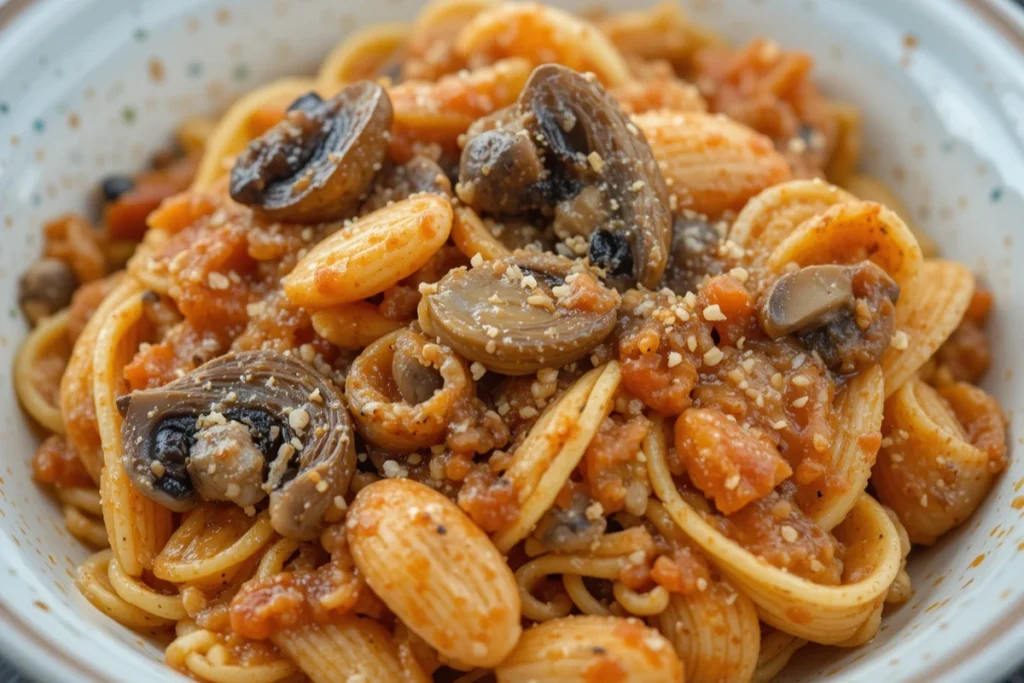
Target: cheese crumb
[713, 356]
[478, 370]
[674, 359]
[218, 280]
[477, 260]
[739, 274]
[900, 341]
[789, 534]
[713, 313]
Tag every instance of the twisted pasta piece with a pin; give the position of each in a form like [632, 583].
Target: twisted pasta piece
[44, 346]
[770, 217]
[212, 545]
[92, 579]
[137, 526]
[928, 311]
[418, 416]
[541, 34]
[851, 232]
[939, 458]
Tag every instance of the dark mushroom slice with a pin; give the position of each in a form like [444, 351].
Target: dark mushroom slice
[565, 136]
[502, 171]
[593, 139]
[419, 174]
[239, 428]
[845, 314]
[45, 288]
[520, 314]
[317, 164]
[571, 529]
[695, 254]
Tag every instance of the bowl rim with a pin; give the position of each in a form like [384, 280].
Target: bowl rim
[989, 655]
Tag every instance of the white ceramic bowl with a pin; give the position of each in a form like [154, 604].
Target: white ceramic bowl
[88, 87]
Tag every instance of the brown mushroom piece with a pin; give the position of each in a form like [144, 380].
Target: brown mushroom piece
[419, 174]
[695, 254]
[571, 529]
[317, 164]
[846, 314]
[239, 428]
[45, 288]
[520, 314]
[804, 299]
[564, 136]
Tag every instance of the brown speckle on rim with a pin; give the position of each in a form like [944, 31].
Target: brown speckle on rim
[157, 71]
[223, 16]
[977, 561]
[192, 24]
[73, 121]
[910, 41]
[41, 605]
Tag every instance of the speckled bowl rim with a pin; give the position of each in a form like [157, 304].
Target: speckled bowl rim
[992, 654]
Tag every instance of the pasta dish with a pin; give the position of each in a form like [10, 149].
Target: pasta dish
[513, 345]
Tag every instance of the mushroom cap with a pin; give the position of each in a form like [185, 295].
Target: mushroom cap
[566, 145]
[45, 288]
[487, 314]
[311, 460]
[588, 133]
[316, 165]
[805, 299]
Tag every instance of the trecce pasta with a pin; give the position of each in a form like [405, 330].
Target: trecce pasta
[514, 344]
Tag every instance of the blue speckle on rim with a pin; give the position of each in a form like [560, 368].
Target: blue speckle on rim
[241, 72]
[5, 108]
[947, 146]
[37, 199]
[39, 125]
[140, 35]
[195, 69]
[128, 115]
[996, 195]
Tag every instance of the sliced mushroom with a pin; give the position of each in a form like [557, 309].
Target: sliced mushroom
[317, 164]
[45, 288]
[695, 255]
[804, 299]
[520, 314]
[564, 135]
[177, 439]
[571, 529]
[419, 174]
[415, 379]
[845, 314]
[502, 171]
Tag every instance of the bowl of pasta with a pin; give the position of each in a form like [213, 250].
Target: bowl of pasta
[720, 389]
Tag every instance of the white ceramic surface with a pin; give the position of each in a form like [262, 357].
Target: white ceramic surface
[88, 87]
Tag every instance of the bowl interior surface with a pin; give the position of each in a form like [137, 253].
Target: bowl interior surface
[88, 88]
